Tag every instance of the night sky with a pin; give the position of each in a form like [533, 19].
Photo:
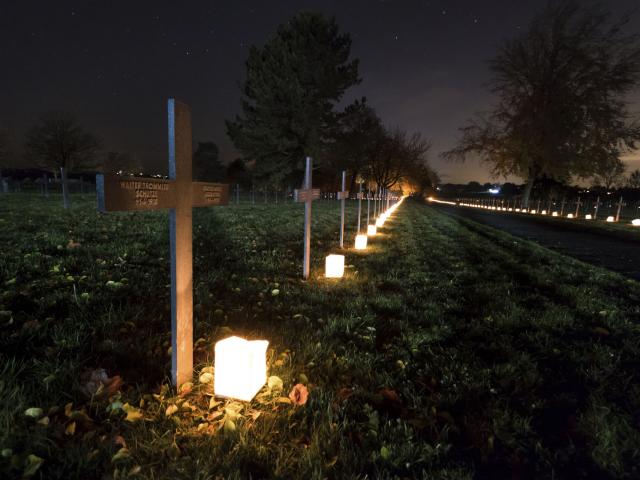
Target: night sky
[114, 64]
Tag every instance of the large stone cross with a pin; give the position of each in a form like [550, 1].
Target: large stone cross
[307, 195]
[178, 194]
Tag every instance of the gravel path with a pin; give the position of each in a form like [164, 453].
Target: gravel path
[622, 256]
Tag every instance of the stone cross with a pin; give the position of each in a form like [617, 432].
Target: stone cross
[178, 194]
[307, 195]
[342, 196]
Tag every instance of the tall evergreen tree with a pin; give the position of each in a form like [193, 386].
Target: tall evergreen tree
[293, 84]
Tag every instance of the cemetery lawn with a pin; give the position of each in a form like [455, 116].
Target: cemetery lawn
[450, 350]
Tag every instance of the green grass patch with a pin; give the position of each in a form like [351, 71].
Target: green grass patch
[450, 350]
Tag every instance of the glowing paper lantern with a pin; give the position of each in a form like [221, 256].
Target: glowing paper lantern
[543, 212]
[517, 209]
[587, 216]
[636, 222]
[611, 219]
[240, 367]
[570, 215]
[372, 230]
[334, 266]
[379, 222]
[554, 214]
[361, 242]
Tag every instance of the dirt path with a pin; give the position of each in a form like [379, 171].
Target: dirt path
[622, 256]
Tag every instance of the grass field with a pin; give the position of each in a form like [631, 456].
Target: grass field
[449, 351]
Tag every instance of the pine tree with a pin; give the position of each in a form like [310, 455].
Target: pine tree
[293, 84]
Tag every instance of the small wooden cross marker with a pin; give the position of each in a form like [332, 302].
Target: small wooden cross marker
[342, 196]
[307, 195]
[178, 194]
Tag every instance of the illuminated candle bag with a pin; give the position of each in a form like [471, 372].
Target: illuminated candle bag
[554, 214]
[372, 230]
[543, 212]
[379, 222]
[636, 222]
[240, 368]
[610, 219]
[334, 266]
[570, 215]
[588, 216]
[361, 241]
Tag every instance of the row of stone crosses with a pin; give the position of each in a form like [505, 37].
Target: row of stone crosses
[179, 194]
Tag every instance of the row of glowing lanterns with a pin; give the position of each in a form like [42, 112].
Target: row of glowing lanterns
[610, 219]
[240, 369]
[334, 263]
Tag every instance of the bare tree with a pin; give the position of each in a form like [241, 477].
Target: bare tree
[634, 179]
[58, 143]
[561, 90]
[396, 157]
[609, 175]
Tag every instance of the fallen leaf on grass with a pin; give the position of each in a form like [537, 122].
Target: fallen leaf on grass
[229, 426]
[71, 429]
[171, 409]
[299, 394]
[133, 414]
[33, 412]
[32, 465]
[275, 383]
[185, 388]
[122, 454]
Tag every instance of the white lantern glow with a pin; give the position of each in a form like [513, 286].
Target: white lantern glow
[379, 222]
[570, 215]
[240, 367]
[517, 209]
[587, 216]
[361, 242]
[554, 214]
[611, 219]
[372, 230]
[636, 222]
[334, 266]
[543, 212]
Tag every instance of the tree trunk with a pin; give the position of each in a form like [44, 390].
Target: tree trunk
[65, 187]
[527, 189]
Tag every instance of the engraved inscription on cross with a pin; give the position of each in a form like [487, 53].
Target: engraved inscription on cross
[178, 194]
[307, 195]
